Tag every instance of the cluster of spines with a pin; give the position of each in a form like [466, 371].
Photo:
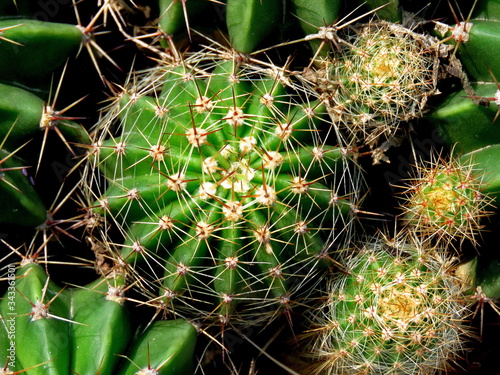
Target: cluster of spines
[378, 75]
[445, 202]
[155, 154]
[397, 309]
[84, 329]
[220, 184]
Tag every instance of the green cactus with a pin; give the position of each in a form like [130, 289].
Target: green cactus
[396, 310]
[249, 22]
[473, 40]
[20, 203]
[38, 312]
[223, 193]
[33, 51]
[445, 201]
[84, 330]
[221, 179]
[379, 75]
[468, 125]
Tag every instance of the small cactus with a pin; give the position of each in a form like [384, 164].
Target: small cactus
[379, 75]
[396, 310]
[444, 200]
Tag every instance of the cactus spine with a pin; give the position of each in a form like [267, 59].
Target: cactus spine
[396, 310]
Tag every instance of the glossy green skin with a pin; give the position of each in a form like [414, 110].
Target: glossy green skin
[8, 323]
[313, 15]
[45, 341]
[20, 114]
[172, 13]
[96, 340]
[391, 10]
[478, 54]
[249, 22]
[44, 46]
[486, 160]
[464, 125]
[20, 203]
[167, 346]
[487, 9]
[101, 330]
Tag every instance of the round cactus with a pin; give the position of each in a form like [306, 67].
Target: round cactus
[221, 184]
[394, 311]
[379, 75]
[445, 201]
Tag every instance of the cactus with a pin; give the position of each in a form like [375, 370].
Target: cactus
[20, 203]
[467, 125]
[33, 52]
[396, 310]
[445, 200]
[379, 75]
[249, 23]
[224, 193]
[39, 315]
[473, 39]
[85, 330]
[35, 49]
[223, 179]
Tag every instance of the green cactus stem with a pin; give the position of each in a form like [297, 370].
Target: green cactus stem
[222, 179]
[466, 125]
[486, 161]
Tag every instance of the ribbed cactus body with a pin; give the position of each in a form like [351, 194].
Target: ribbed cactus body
[221, 181]
[396, 311]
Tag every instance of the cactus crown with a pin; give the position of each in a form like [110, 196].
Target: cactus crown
[444, 200]
[379, 75]
[396, 311]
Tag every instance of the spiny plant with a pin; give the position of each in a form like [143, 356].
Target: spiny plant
[444, 200]
[221, 184]
[248, 22]
[46, 329]
[470, 125]
[473, 39]
[34, 51]
[378, 75]
[397, 309]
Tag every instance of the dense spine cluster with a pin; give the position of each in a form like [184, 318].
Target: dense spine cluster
[397, 310]
[445, 201]
[378, 75]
